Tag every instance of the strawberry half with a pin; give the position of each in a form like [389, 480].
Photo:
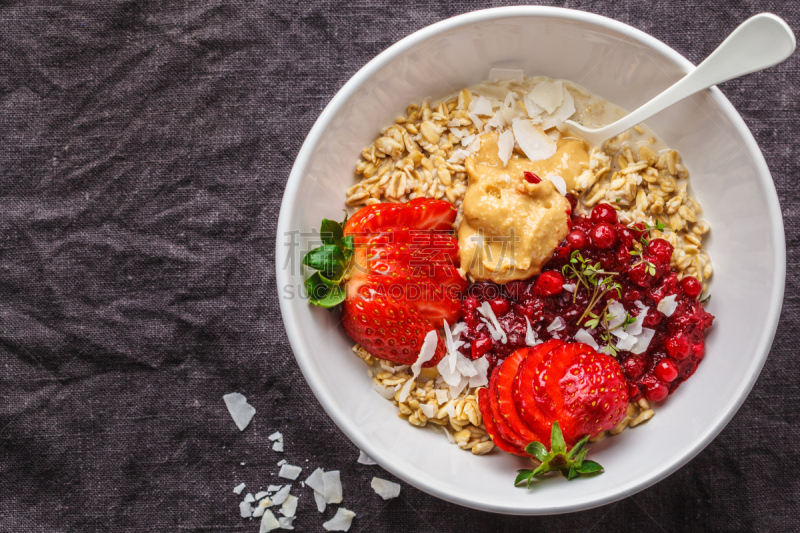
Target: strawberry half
[395, 269]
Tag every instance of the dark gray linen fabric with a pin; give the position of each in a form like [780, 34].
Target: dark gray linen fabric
[144, 148]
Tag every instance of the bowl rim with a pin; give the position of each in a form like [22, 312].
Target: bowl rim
[730, 407]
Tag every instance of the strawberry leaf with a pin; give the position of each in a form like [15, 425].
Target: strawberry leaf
[557, 443]
[321, 295]
[590, 467]
[523, 475]
[537, 449]
[328, 259]
[331, 232]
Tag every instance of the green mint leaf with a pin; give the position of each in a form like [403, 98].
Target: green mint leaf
[328, 259]
[557, 444]
[589, 467]
[321, 295]
[536, 449]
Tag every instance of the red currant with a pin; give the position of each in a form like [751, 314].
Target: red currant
[603, 235]
[481, 346]
[691, 287]
[678, 347]
[626, 236]
[666, 370]
[500, 306]
[633, 367]
[661, 250]
[604, 213]
[577, 239]
[638, 273]
[654, 389]
[549, 283]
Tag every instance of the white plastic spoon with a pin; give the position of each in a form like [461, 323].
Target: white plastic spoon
[758, 43]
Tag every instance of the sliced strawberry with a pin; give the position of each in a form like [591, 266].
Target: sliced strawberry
[504, 378]
[525, 385]
[589, 390]
[553, 404]
[491, 429]
[503, 428]
[420, 213]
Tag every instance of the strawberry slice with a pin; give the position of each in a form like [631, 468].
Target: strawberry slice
[589, 391]
[504, 429]
[526, 384]
[420, 213]
[503, 384]
[491, 428]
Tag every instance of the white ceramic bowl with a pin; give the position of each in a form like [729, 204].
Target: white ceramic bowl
[626, 67]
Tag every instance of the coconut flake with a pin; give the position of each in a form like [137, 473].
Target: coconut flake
[239, 488]
[262, 494]
[477, 121]
[534, 110]
[426, 353]
[245, 510]
[289, 506]
[427, 409]
[667, 305]
[268, 522]
[286, 522]
[320, 501]
[570, 287]
[332, 487]
[474, 146]
[548, 95]
[455, 391]
[365, 459]
[530, 335]
[482, 106]
[585, 337]
[494, 328]
[315, 480]
[636, 328]
[441, 396]
[341, 521]
[564, 111]
[249, 498]
[502, 74]
[241, 412]
[290, 471]
[643, 341]
[481, 377]
[277, 446]
[450, 438]
[385, 392]
[505, 146]
[532, 140]
[277, 436]
[274, 488]
[281, 495]
[626, 343]
[385, 489]
[558, 181]
[557, 324]
[618, 314]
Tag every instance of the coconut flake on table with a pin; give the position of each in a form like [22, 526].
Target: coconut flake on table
[320, 501]
[564, 111]
[505, 146]
[249, 498]
[281, 495]
[277, 436]
[426, 353]
[274, 488]
[268, 522]
[290, 471]
[365, 459]
[502, 74]
[261, 494]
[286, 522]
[548, 95]
[585, 337]
[341, 521]
[239, 488]
[558, 181]
[332, 487]
[385, 489]
[315, 480]
[241, 412]
[277, 446]
[245, 510]
[259, 511]
[494, 328]
[533, 140]
[667, 305]
[557, 324]
[289, 506]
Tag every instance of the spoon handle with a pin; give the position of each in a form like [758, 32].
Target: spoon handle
[759, 42]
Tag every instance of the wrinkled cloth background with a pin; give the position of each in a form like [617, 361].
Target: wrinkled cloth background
[144, 148]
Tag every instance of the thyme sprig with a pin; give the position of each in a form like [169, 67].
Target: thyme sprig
[594, 279]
